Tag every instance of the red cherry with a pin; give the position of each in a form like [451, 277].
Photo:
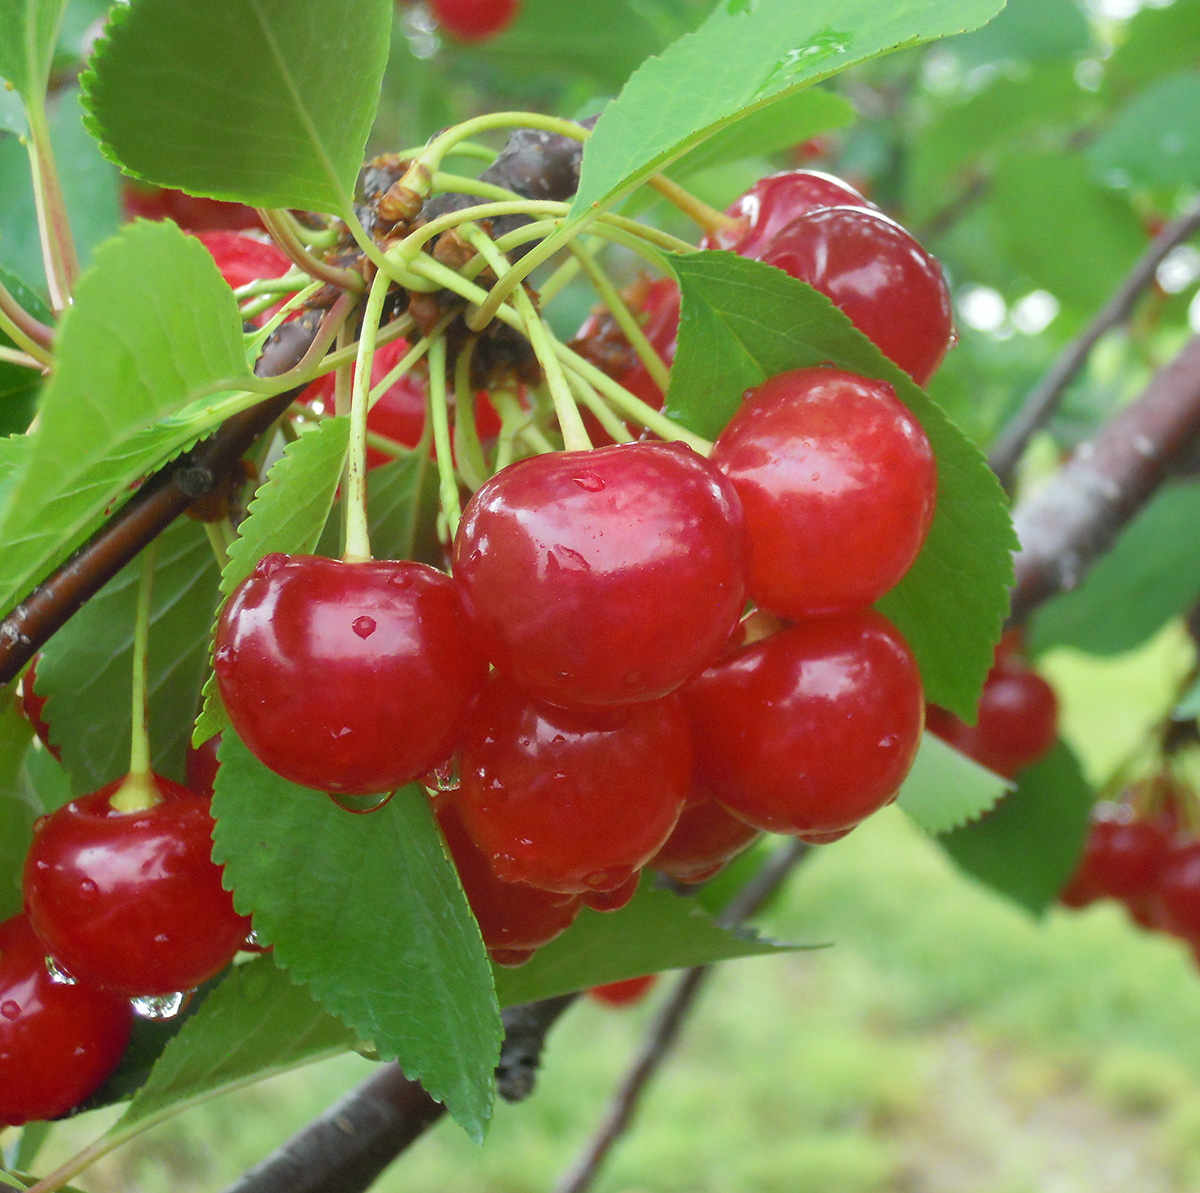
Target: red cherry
[190, 212]
[615, 899]
[707, 837]
[892, 290]
[347, 677]
[244, 259]
[58, 1043]
[201, 765]
[571, 800]
[838, 483]
[774, 202]
[1017, 723]
[514, 919]
[1179, 891]
[474, 20]
[626, 993]
[131, 901]
[603, 577]
[812, 730]
[1122, 858]
[34, 707]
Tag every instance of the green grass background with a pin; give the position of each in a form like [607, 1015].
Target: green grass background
[946, 1042]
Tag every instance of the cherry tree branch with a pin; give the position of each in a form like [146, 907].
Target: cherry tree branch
[1067, 524]
[1045, 398]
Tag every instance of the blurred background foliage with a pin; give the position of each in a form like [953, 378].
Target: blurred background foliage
[948, 1040]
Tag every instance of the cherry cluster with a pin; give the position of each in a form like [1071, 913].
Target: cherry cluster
[1143, 852]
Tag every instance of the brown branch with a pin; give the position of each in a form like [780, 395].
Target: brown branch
[1045, 398]
[149, 511]
[1066, 525]
[665, 1029]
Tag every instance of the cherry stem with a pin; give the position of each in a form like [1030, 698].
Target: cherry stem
[602, 411]
[574, 433]
[655, 365]
[468, 451]
[28, 333]
[439, 419]
[139, 790]
[14, 356]
[709, 218]
[281, 224]
[216, 540]
[54, 227]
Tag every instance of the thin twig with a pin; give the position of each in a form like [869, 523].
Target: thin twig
[1045, 398]
[665, 1029]
[1068, 523]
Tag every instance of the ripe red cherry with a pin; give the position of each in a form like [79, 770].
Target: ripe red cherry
[707, 837]
[58, 1043]
[1017, 723]
[190, 212]
[347, 677]
[774, 202]
[1179, 891]
[514, 919]
[810, 731]
[1122, 858]
[131, 901]
[244, 259]
[892, 290]
[603, 577]
[201, 765]
[838, 483]
[474, 20]
[571, 800]
[626, 993]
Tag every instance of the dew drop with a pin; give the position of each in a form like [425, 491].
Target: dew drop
[40, 823]
[589, 481]
[223, 660]
[400, 580]
[444, 777]
[363, 626]
[10, 1009]
[157, 1007]
[557, 739]
[254, 941]
[270, 563]
[162, 938]
[88, 889]
[58, 975]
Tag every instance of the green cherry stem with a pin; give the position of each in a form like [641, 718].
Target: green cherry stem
[575, 436]
[14, 356]
[54, 227]
[709, 218]
[601, 410]
[655, 365]
[29, 334]
[139, 790]
[439, 417]
[468, 451]
[281, 224]
[216, 540]
[358, 539]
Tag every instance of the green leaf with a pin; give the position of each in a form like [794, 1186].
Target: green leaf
[402, 498]
[749, 53]
[1027, 847]
[1049, 215]
[742, 322]
[655, 931]
[273, 109]
[1150, 575]
[1148, 144]
[254, 1025]
[287, 514]
[1158, 42]
[368, 913]
[153, 326]
[17, 803]
[945, 789]
[1189, 706]
[1027, 31]
[27, 47]
[86, 668]
[768, 130]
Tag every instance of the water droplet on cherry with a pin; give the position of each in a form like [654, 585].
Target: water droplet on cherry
[363, 626]
[223, 660]
[157, 1007]
[88, 889]
[58, 975]
[10, 1009]
[589, 481]
[400, 580]
[270, 563]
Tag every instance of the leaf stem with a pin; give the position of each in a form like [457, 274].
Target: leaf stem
[54, 228]
[439, 418]
[281, 224]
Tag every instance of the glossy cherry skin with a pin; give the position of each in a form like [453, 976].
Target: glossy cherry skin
[572, 800]
[200, 766]
[626, 993]
[1179, 891]
[838, 484]
[58, 1043]
[1017, 723]
[813, 729]
[892, 290]
[1122, 858]
[603, 577]
[190, 212]
[707, 837]
[514, 919]
[352, 678]
[774, 202]
[131, 901]
[34, 707]
[474, 20]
